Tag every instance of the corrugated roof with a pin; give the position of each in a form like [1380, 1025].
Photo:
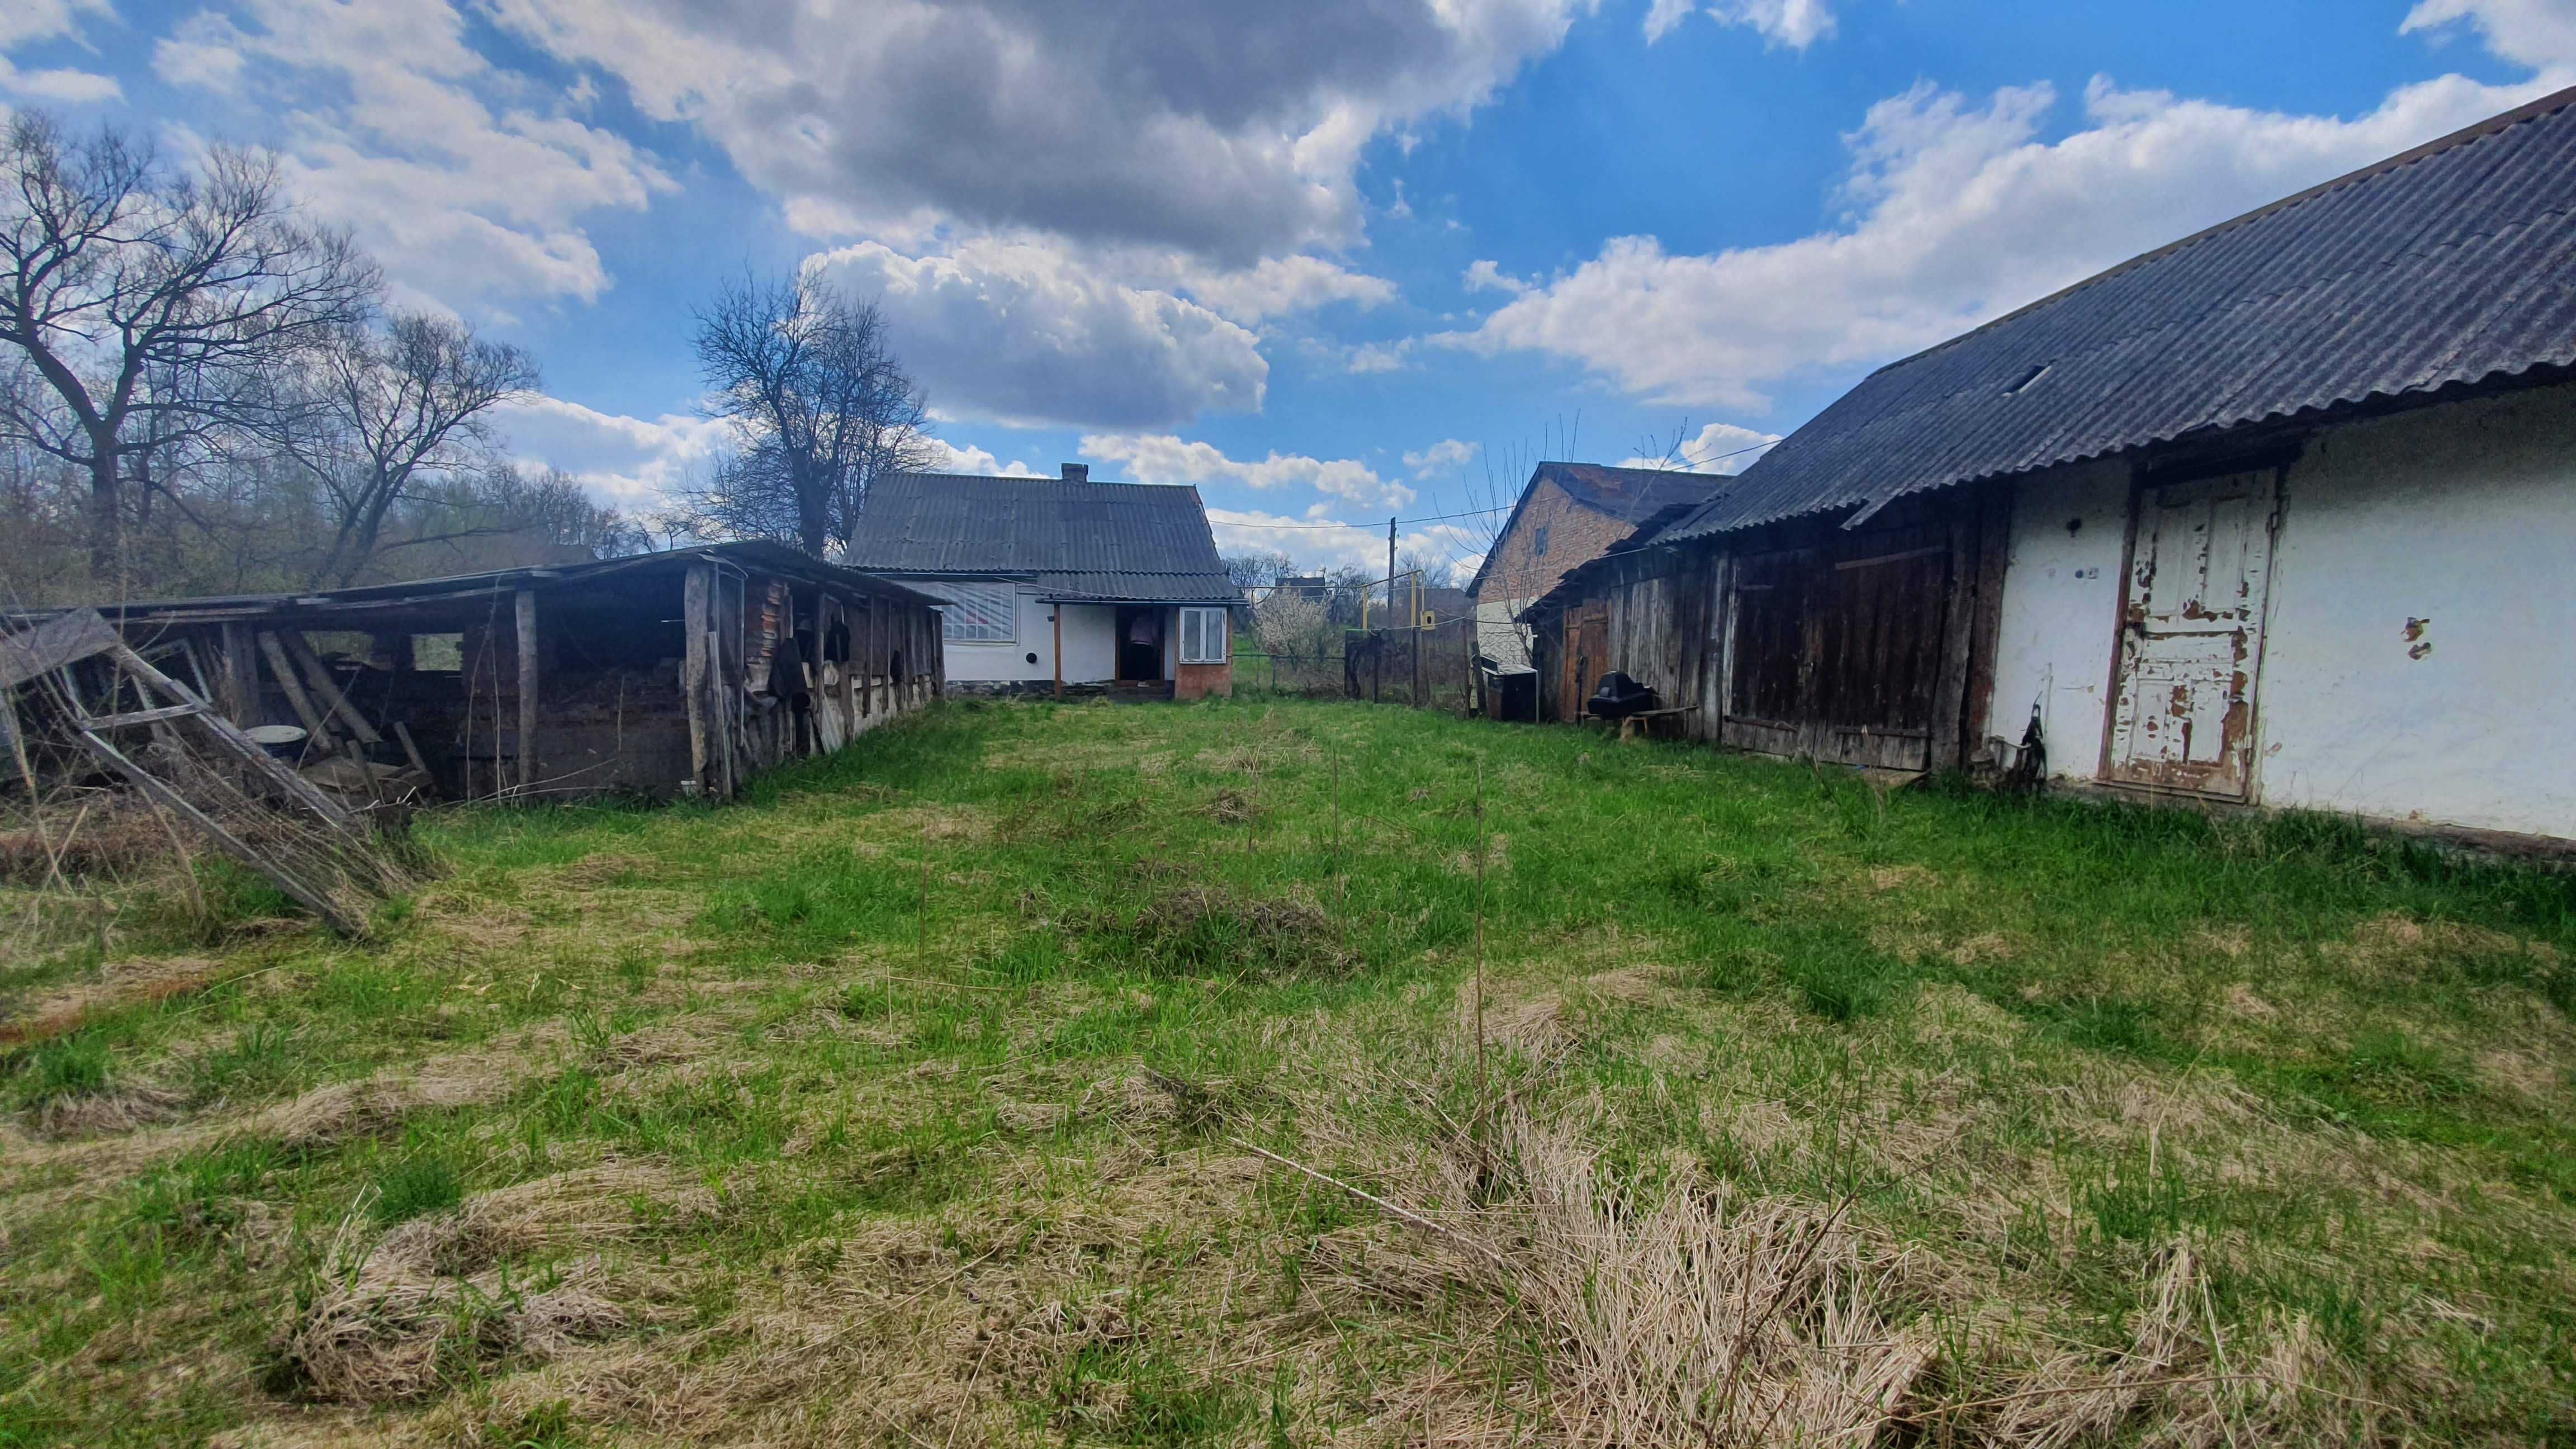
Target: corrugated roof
[761, 554]
[1631, 495]
[1082, 540]
[2453, 263]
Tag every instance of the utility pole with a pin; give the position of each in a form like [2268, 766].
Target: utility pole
[1390, 565]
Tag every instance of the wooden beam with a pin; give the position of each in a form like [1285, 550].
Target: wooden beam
[319, 674]
[58, 641]
[260, 760]
[224, 840]
[697, 629]
[284, 673]
[240, 701]
[1056, 612]
[527, 611]
[144, 716]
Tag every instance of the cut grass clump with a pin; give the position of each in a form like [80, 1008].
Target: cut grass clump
[1204, 930]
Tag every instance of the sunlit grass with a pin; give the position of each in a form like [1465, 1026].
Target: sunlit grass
[973, 1014]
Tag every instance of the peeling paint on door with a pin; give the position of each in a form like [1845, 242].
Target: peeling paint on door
[2191, 636]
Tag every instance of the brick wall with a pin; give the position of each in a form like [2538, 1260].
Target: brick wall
[1575, 535]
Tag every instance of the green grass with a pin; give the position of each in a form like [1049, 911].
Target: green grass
[756, 1087]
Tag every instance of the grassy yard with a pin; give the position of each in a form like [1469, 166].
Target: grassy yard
[981, 1085]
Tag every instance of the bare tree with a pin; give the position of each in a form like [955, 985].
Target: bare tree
[1257, 568]
[818, 404]
[379, 419]
[138, 298]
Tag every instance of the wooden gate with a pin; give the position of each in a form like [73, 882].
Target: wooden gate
[2191, 636]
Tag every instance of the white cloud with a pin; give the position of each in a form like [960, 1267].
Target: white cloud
[1793, 23]
[64, 87]
[1229, 131]
[1663, 15]
[1162, 458]
[1022, 332]
[979, 461]
[1371, 357]
[631, 463]
[1276, 286]
[391, 123]
[1959, 214]
[1484, 276]
[1439, 457]
[1320, 542]
[1718, 448]
[24, 22]
[2537, 33]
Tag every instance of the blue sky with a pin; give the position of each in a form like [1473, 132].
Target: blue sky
[1331, 262]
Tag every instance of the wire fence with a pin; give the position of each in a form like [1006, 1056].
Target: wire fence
[1425, 668]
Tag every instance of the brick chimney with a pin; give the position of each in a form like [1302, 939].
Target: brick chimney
[1077, 472]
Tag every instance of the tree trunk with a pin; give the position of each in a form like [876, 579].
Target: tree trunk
[106, 516]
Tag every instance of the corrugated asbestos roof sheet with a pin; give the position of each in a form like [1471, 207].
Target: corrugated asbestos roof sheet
[1079, 540]
[2452, 263]
[760, 554]
[1631, 495]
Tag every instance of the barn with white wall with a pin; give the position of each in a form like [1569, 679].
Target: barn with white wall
[2280, 514]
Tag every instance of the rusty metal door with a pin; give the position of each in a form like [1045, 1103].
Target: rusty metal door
[2191, 636]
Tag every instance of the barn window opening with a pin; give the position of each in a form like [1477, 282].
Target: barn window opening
[1538, 542]
[2027, 378]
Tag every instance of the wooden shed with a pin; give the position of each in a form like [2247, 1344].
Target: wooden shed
[663, 674]
[1858, 647]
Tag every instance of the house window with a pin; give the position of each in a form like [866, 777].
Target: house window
[1538, 542]
[976, 613]
[1203, 636]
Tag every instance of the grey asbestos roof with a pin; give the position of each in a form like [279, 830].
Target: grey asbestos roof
[1631, 495]
[1107, 541]
[2451, 264]
[761, 555]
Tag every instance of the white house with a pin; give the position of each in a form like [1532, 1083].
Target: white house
[1057, 583]
[2282, 513]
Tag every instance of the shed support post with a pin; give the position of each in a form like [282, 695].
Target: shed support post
[1948, 750]
[527, 612]
[1056, 612]
[240, 681]
[695, 630]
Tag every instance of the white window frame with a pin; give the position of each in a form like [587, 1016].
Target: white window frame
[1200, 618]
[952, 627]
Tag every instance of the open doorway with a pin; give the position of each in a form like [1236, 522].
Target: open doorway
[1140, 644]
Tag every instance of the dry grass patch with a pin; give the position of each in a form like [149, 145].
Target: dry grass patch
[431, 1302]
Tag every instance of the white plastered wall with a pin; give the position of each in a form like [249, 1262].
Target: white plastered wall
[2061, 607]
[1090, 649]
[2461, 516]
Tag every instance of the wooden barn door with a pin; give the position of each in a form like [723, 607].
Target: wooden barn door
[1587, 650]
[1838, 649]
[2191, 636]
